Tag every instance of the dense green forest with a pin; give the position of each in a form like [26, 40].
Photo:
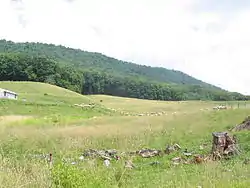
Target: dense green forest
[92, 73]
[99, 62]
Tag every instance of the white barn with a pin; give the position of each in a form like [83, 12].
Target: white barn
[6, 94]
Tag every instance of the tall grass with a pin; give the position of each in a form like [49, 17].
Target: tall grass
[66, 131]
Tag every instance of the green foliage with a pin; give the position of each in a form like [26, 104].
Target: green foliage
[22, 147]
[93, 73]
[21, 67]
[102, 83]
[64, 175]
[50, 105]
[99, 62]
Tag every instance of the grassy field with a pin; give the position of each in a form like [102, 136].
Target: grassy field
[45, 119]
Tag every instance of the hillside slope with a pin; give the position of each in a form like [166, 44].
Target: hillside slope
[45, 104]
[93, 73]
[44, 93]
[97, 61]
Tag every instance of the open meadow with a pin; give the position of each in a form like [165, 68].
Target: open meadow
[49, 119]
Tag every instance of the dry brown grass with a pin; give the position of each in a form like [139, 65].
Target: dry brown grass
[13, 118]
[103, 126]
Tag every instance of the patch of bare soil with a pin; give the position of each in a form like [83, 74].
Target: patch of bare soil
[12, 118]
[245, 125]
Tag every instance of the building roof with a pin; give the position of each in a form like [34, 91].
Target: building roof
[12, 92]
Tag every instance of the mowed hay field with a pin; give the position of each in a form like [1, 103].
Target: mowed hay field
[45, 119]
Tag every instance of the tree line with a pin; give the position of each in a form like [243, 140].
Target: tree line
[100, 62]
[23, 67]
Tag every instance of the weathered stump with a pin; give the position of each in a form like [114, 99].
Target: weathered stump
[219, 143]
[223, 145]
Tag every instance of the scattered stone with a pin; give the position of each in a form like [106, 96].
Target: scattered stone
[104, 154]
[106, 162]
[223, 147]
[170, 149]
[111, 152]
[244, 125]
[186, 153]
[146, 153]
[81, 157]
[176, 159]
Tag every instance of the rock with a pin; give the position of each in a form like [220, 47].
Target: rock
[170, 149]
[176, 163]
[81, 157]
[106, 162]
[104, 154]
[146, 153]
[177, 160]
[186, 153]
[111, 152]
[244, 125]
[129, 164]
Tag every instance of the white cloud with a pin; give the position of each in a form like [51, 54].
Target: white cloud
[211, 45]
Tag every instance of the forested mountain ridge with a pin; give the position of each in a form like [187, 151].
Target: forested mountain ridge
[97, 61]
[94, 73]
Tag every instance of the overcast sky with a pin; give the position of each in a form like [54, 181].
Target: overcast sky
[208, 39]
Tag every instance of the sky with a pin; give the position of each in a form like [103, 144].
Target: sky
[208, 39]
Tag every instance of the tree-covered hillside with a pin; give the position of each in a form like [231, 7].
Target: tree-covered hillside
[83, 72]
[97, 61]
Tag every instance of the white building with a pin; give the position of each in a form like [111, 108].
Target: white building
[6, 94]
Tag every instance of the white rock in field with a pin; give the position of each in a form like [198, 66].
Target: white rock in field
[81, 157]
[106, 162]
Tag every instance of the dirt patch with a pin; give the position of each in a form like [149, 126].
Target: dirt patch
[245, 125]
[13, 118]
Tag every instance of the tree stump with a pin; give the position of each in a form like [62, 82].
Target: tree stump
[223, 145]
[219, 143]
